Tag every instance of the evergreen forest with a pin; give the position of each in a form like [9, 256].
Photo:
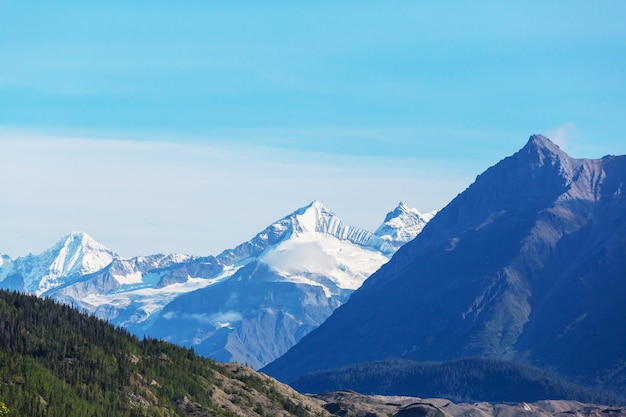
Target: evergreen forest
[462, 380]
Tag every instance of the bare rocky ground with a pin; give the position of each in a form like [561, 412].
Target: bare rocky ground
[242, 391]
[352, 404]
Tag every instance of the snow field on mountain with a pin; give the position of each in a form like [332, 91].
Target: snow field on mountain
[318, 254]
[148, 297]
[129, 279]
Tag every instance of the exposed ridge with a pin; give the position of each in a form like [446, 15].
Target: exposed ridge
[318, 218]
[399, 210]
[542, 151]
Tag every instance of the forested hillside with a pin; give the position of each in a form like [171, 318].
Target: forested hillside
[56, 361]
[463, 380]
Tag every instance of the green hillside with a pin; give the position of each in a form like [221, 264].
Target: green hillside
[56, 361]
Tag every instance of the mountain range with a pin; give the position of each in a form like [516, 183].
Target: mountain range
[528, 263]
[248, 304]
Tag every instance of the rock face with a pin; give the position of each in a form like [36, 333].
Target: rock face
[527, 263]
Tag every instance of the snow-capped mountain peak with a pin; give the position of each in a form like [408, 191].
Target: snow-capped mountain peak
[317, 218]
[314, 217]
[75, 254]
[402, 224]
[79, 252]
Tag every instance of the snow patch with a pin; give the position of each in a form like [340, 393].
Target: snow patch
[344, 263]
[299, 279]
[218, 320]
[148, 300]
[129, 279]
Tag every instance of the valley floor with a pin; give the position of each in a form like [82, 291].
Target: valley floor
[350, 403]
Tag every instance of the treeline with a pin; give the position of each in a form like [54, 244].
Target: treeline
[56, 361]
[463, 380]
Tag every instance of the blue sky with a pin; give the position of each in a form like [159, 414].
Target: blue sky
[166, 127]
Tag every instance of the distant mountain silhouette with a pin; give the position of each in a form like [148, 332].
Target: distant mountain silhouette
[528, 263]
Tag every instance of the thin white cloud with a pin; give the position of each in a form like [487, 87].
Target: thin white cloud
[563, 135]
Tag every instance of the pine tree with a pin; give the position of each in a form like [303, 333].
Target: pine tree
[4, 410]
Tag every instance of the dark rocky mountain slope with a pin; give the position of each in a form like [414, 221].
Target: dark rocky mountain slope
[528, 263]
